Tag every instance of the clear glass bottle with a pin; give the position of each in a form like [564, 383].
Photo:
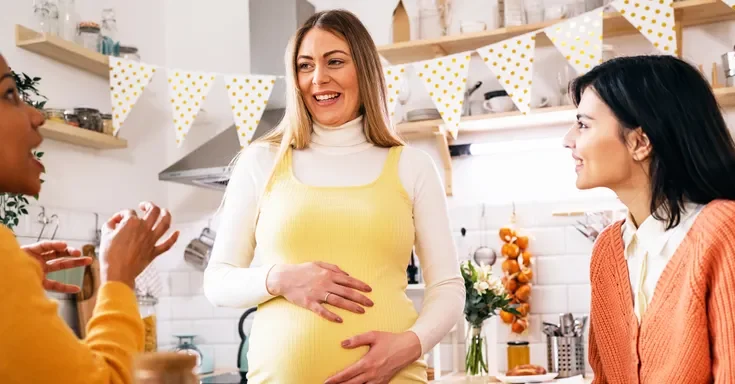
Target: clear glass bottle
[110, 46]
[165, 368]
[147, 308]
[130, 53]
[47, 16]
[68, 20]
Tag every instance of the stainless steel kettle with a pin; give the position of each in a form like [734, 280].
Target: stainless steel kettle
[198, 251]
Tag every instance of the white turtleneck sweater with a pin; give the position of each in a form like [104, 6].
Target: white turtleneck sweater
[339, 156]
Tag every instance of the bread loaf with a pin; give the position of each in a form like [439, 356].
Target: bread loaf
[527, 370]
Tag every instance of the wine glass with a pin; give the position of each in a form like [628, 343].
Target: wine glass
[404, 93]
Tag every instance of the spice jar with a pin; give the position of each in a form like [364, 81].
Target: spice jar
[56, 115]
[107, 127]
[165, 368]
[130, 53]
[519, 353]
[89, 118]
[89, 35]
[147, 308]
[71, 118]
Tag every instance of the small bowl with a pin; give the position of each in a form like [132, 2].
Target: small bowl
[472, 26]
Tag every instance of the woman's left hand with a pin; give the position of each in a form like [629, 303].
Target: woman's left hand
[388, 354]
[54, 256]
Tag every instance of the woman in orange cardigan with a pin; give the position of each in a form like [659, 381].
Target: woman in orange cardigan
[663, 280]
[36, 346]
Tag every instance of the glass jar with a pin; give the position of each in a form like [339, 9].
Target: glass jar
[71, 118]
[68, 20]
[47, 16]
[56, 115]
[89, 118]
[186, 346]
[147, 308]
[164, 368]
[130, 53]
[89, 35]
[107, 127]
[110, 45]
[519, 353]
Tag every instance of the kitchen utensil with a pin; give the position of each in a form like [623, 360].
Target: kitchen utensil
[484, 254]
[565, 355]
[728, 63]
[566, 324]
[579, 324]
[242, 354]
[186, 346]
[87, 298]
[198, 251]
[551, 329]
[466, 110]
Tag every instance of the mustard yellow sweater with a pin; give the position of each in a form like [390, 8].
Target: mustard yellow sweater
[36, 346]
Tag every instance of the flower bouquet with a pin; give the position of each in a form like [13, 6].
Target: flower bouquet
[485, 297]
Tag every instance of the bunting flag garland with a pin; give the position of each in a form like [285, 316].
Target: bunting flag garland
[579, 39]
[445, 79]
[128, 80]
[654, 19]
[512, 63]
[188, 91]
[249, 96]
[730, 3]
[393, 77]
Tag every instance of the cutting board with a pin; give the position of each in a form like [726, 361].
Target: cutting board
[87, 298]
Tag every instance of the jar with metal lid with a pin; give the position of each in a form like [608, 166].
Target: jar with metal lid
[165, 368]
[147, 308]
[519, 353]
[89, 35]
[107, 127]
[130, 53]
[71, 118]
[89, 118]
[55, 114]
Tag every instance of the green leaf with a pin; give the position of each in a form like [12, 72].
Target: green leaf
[24, 211]
[39, 154]
[11, 204]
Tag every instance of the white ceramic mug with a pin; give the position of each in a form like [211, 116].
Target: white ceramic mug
[498, 104]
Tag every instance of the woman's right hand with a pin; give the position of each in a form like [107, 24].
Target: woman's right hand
[129, 242]
[309, 284]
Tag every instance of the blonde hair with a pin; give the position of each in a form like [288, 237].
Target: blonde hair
[295, 129]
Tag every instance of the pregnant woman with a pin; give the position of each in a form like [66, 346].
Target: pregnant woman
[335, 203]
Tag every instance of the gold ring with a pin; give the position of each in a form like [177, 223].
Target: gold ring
[327, 296]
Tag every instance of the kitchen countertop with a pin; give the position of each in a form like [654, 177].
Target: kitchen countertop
[462, 379]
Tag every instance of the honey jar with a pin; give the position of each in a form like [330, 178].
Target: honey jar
[519, 353]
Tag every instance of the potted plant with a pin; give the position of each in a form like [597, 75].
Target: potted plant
[14, 206]
[485, 297]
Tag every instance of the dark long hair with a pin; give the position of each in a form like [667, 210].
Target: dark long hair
[693, 155]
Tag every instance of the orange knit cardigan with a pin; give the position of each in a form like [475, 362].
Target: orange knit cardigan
[687, 334]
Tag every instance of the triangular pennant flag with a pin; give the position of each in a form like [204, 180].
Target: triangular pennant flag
[730, 3]
[128, 80]
[393, 77]
[445, 79]
[579, 39]
[654, 19]
[249, 96]
[512, 63]
[188, 91]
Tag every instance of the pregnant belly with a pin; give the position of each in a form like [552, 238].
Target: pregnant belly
[290, 344]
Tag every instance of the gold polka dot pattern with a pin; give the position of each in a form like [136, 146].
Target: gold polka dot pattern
[511, 61]
[579, 39]
[249, 96]
[654, 19]
[128, 80]
[393, 76]
[188, 91]
[445, 79]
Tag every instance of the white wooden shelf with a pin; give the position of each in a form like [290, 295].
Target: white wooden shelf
[61, 50]
[80, 136]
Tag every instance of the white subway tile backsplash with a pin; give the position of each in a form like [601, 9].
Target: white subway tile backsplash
[548, 299]
[226, 355]
[196, 282]
[227, 313]
[163, 308]
[546, 241]
[550, 270]
[580, 297]
[576, 242]
[216, 331]
[180, 283]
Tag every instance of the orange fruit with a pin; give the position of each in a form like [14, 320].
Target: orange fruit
[523, 293]
[510, 250]
[511, 285]
[526, 258]
[507, 317]
[524, 309]
[522, 242]
[506, 234]
[525, 276]
[511, 266]
[519, 325]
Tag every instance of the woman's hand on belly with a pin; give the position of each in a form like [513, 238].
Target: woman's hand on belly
[310, 285]
[388, 354]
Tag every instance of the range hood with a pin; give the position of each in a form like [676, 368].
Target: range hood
[272, 23]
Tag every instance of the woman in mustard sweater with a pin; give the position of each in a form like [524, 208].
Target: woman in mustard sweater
[663, 280]
[335, 202]
[36, 346]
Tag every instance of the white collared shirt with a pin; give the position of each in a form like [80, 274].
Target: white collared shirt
[651, 239]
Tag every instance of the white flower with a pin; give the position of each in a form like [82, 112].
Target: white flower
[481, 287]
[487, 271]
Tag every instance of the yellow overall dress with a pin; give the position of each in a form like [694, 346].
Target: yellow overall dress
[367, 231]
